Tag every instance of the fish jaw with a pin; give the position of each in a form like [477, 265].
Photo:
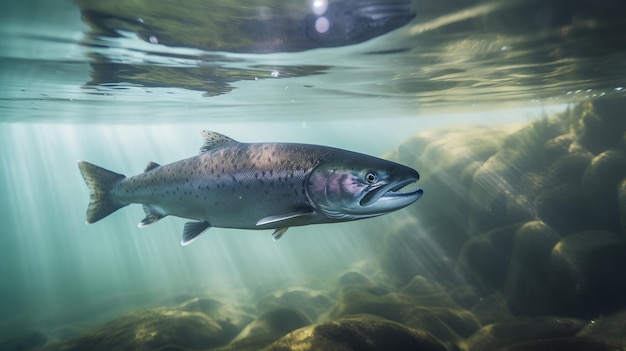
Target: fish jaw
[389, 198]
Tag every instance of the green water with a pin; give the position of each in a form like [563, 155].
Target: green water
[69, 93]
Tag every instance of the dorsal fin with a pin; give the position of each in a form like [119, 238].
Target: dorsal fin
[151, 165]
[214, 140]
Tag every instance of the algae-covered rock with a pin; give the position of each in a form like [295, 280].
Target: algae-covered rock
[528, 278]
[492, 309]
[446, 160]
[565, 208]
[610, 328]
[484, 259]
[230, 318]
[601, 182]
[311, 302]
[497, 195]
[357, 333]
[422, 292]
[587, 274]
[568, 169]
[565, 344]
[448, 324]
[150, 330]
[271, 325]
[495, 337]
[599, 125]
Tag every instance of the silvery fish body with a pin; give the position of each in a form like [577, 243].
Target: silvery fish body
[255, 186]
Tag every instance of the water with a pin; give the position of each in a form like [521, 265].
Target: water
[465, 76]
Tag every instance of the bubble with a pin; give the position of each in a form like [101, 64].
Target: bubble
[322, 25]
[153, 39]
[275, 74]
[319, 7]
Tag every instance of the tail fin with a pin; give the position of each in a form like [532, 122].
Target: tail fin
[100, 182]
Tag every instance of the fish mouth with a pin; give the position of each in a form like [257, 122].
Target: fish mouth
[389, 197]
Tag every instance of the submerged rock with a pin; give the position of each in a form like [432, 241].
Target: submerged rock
[610, 328]
[527, 284]
[600, 184]
[447, 324]
[357, 333]
[447, 160]
[503, 187]
[492, 309]
[599, 125]
[587, 274]
[150, 330]
[270, 326]
[564, 344]
[484, 259]
[421, 292]
[495, 337]
[311, 302]
[230, 318]
[565, 208]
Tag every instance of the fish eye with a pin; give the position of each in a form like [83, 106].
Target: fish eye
[371, 177]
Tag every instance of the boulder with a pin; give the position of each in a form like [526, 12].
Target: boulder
[495, 337]
[150, 330]
[599, 125]
[566, 209]
[270, 326]
[600, 184]
[447, 324]
[568, 169]
[357, 333]
[587, 275]
[492, 309]
[527, 282]
[610, 328]
[565, 344]
[311, 302]
[484, 259]
[230, 318]
[497, 197]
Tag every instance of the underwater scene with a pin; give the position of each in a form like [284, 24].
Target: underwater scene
[351, 175]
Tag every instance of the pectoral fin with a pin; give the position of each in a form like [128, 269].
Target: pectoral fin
[285, 216]
[192, 231]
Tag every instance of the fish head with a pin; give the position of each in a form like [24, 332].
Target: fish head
[349, 22]
[355, 186]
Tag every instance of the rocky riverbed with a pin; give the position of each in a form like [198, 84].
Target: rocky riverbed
[519, 243]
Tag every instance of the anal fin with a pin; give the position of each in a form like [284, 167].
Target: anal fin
[152, 215]
[192, 231]
[278, 233]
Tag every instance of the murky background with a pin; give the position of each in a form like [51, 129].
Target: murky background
[512, 112]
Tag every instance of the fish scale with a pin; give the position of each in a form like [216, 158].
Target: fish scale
[255, 186]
